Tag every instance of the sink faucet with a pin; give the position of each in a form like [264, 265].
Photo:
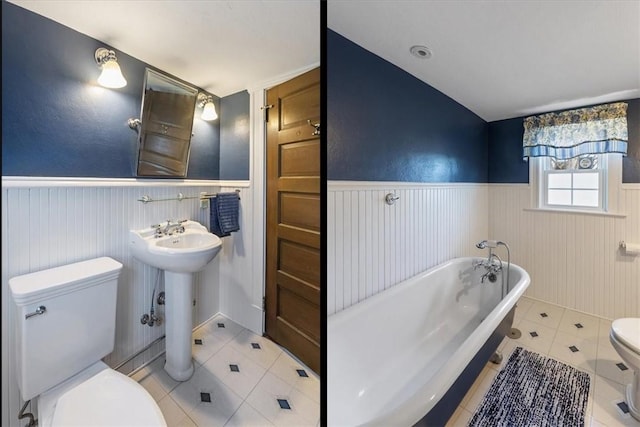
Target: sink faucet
[173, 227]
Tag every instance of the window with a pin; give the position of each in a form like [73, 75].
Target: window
[587, 183]
[576, 157]
[576, 182]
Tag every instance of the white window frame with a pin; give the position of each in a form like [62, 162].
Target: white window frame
[610, 167]
[602, 190]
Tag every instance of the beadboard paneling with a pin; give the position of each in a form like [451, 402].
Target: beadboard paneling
[372, 246]
[573, 259]
[241, 265]
[44, 227]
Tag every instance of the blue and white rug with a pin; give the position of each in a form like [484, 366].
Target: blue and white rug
[534, 390]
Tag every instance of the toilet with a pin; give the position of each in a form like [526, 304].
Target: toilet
[625, 338]
[65, 325]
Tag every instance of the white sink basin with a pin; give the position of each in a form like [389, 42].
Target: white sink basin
[185, 252]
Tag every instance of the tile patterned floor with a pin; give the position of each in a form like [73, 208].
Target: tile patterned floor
[240, 379]
[577, 339]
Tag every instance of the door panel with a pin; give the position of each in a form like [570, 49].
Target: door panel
[297, 310]
[299, 107]
[293, 218]
[300, 261]
[299, 159]
[300, 210]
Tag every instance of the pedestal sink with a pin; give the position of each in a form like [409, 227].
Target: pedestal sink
[180, 249]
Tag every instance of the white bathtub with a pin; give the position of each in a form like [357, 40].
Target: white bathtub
[392, 357]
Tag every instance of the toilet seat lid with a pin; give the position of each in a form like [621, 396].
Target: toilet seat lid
[107, 399]
[628, 332]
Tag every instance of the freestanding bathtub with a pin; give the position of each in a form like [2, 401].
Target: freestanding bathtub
[408, 355]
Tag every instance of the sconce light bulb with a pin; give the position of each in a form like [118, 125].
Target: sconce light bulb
[209, 112]
[111, 76]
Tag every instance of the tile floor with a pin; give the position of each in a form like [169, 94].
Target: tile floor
[240, 379]
[577, 339]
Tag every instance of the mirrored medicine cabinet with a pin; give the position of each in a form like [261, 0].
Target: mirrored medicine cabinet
[164, 130]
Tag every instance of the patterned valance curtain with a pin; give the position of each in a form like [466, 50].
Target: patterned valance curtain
[573, 133]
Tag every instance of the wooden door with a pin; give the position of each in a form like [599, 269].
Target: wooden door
[293, 217]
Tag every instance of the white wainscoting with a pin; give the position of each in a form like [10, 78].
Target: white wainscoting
[241, 265]
[372, 246]
[46, 226]
[573, 259]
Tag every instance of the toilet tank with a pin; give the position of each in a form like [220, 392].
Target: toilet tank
[74, 327]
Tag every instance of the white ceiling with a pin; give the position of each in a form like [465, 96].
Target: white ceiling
[504, 59]
[221, 46]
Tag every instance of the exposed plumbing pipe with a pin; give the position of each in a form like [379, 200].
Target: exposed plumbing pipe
[151, 318]
[32, 421]
[508, 263]
[503, 293]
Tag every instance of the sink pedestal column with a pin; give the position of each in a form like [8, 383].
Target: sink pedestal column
[178, 324]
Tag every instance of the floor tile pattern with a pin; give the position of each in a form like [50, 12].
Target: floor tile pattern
[240, 379]
[572, 337]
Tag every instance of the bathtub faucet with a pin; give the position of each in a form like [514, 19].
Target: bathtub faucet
[492, 267]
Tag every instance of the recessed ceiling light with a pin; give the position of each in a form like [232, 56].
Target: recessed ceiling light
[421, 52]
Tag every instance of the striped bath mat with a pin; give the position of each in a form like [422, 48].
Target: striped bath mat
[534, 390]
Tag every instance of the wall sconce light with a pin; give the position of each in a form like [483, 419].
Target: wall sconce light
[208, 108]
[111, 75]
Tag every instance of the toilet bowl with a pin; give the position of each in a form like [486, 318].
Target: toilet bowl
[625, 339]
[98, 396]
[65, 325]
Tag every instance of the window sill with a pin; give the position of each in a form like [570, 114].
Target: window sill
[575, 211]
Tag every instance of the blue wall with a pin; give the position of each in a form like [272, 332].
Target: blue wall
[506, 164]
[505, 149]
[234, 131]
[386, 125]
[56, 120]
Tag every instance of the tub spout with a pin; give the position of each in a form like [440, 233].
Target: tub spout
[489, 275]
[492, 265]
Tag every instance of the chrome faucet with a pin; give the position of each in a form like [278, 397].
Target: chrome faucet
[173, 227]
[170, 228]
[492, 267]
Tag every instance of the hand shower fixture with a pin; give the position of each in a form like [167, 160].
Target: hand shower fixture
[491, 244]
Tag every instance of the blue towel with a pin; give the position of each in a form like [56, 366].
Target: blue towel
[223, 214]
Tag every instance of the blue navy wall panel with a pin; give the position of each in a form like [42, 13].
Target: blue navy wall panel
[385, 125]
[505, 149]
[234, 131]
[56, 120]
[204, 157]
[506, 164]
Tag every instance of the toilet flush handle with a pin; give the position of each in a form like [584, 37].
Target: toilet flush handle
[40, 310]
